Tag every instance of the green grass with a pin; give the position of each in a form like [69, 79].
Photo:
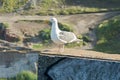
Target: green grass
[61, 7]
[25, 75]
[37, 46]
[67, 7]
[108, 34]
[72, 10]
[11, 5]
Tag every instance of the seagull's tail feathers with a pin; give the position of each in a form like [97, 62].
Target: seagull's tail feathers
[77, 40]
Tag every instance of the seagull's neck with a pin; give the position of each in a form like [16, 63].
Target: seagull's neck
[55, 27]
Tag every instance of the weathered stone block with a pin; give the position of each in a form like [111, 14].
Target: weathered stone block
[85, 69]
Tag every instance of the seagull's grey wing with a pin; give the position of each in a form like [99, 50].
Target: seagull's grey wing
[67, 36]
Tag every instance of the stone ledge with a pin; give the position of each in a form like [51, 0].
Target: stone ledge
[82, 54]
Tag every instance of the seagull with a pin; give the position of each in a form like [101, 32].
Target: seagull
[61, 37]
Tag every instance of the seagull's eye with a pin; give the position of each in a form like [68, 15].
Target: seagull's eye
[52, 20]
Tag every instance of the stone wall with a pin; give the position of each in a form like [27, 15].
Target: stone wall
[57, 67]
[52, 67]
[12, 63]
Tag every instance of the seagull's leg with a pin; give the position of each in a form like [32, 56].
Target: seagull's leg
[58, 48]
[61, 48]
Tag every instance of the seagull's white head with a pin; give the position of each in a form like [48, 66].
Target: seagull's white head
[53, 20]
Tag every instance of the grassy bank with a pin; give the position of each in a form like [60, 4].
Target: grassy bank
[8, 6]
[108, 34]
[60, 7]
[67, 7]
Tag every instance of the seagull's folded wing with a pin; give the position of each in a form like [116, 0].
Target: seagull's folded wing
[67, 36]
